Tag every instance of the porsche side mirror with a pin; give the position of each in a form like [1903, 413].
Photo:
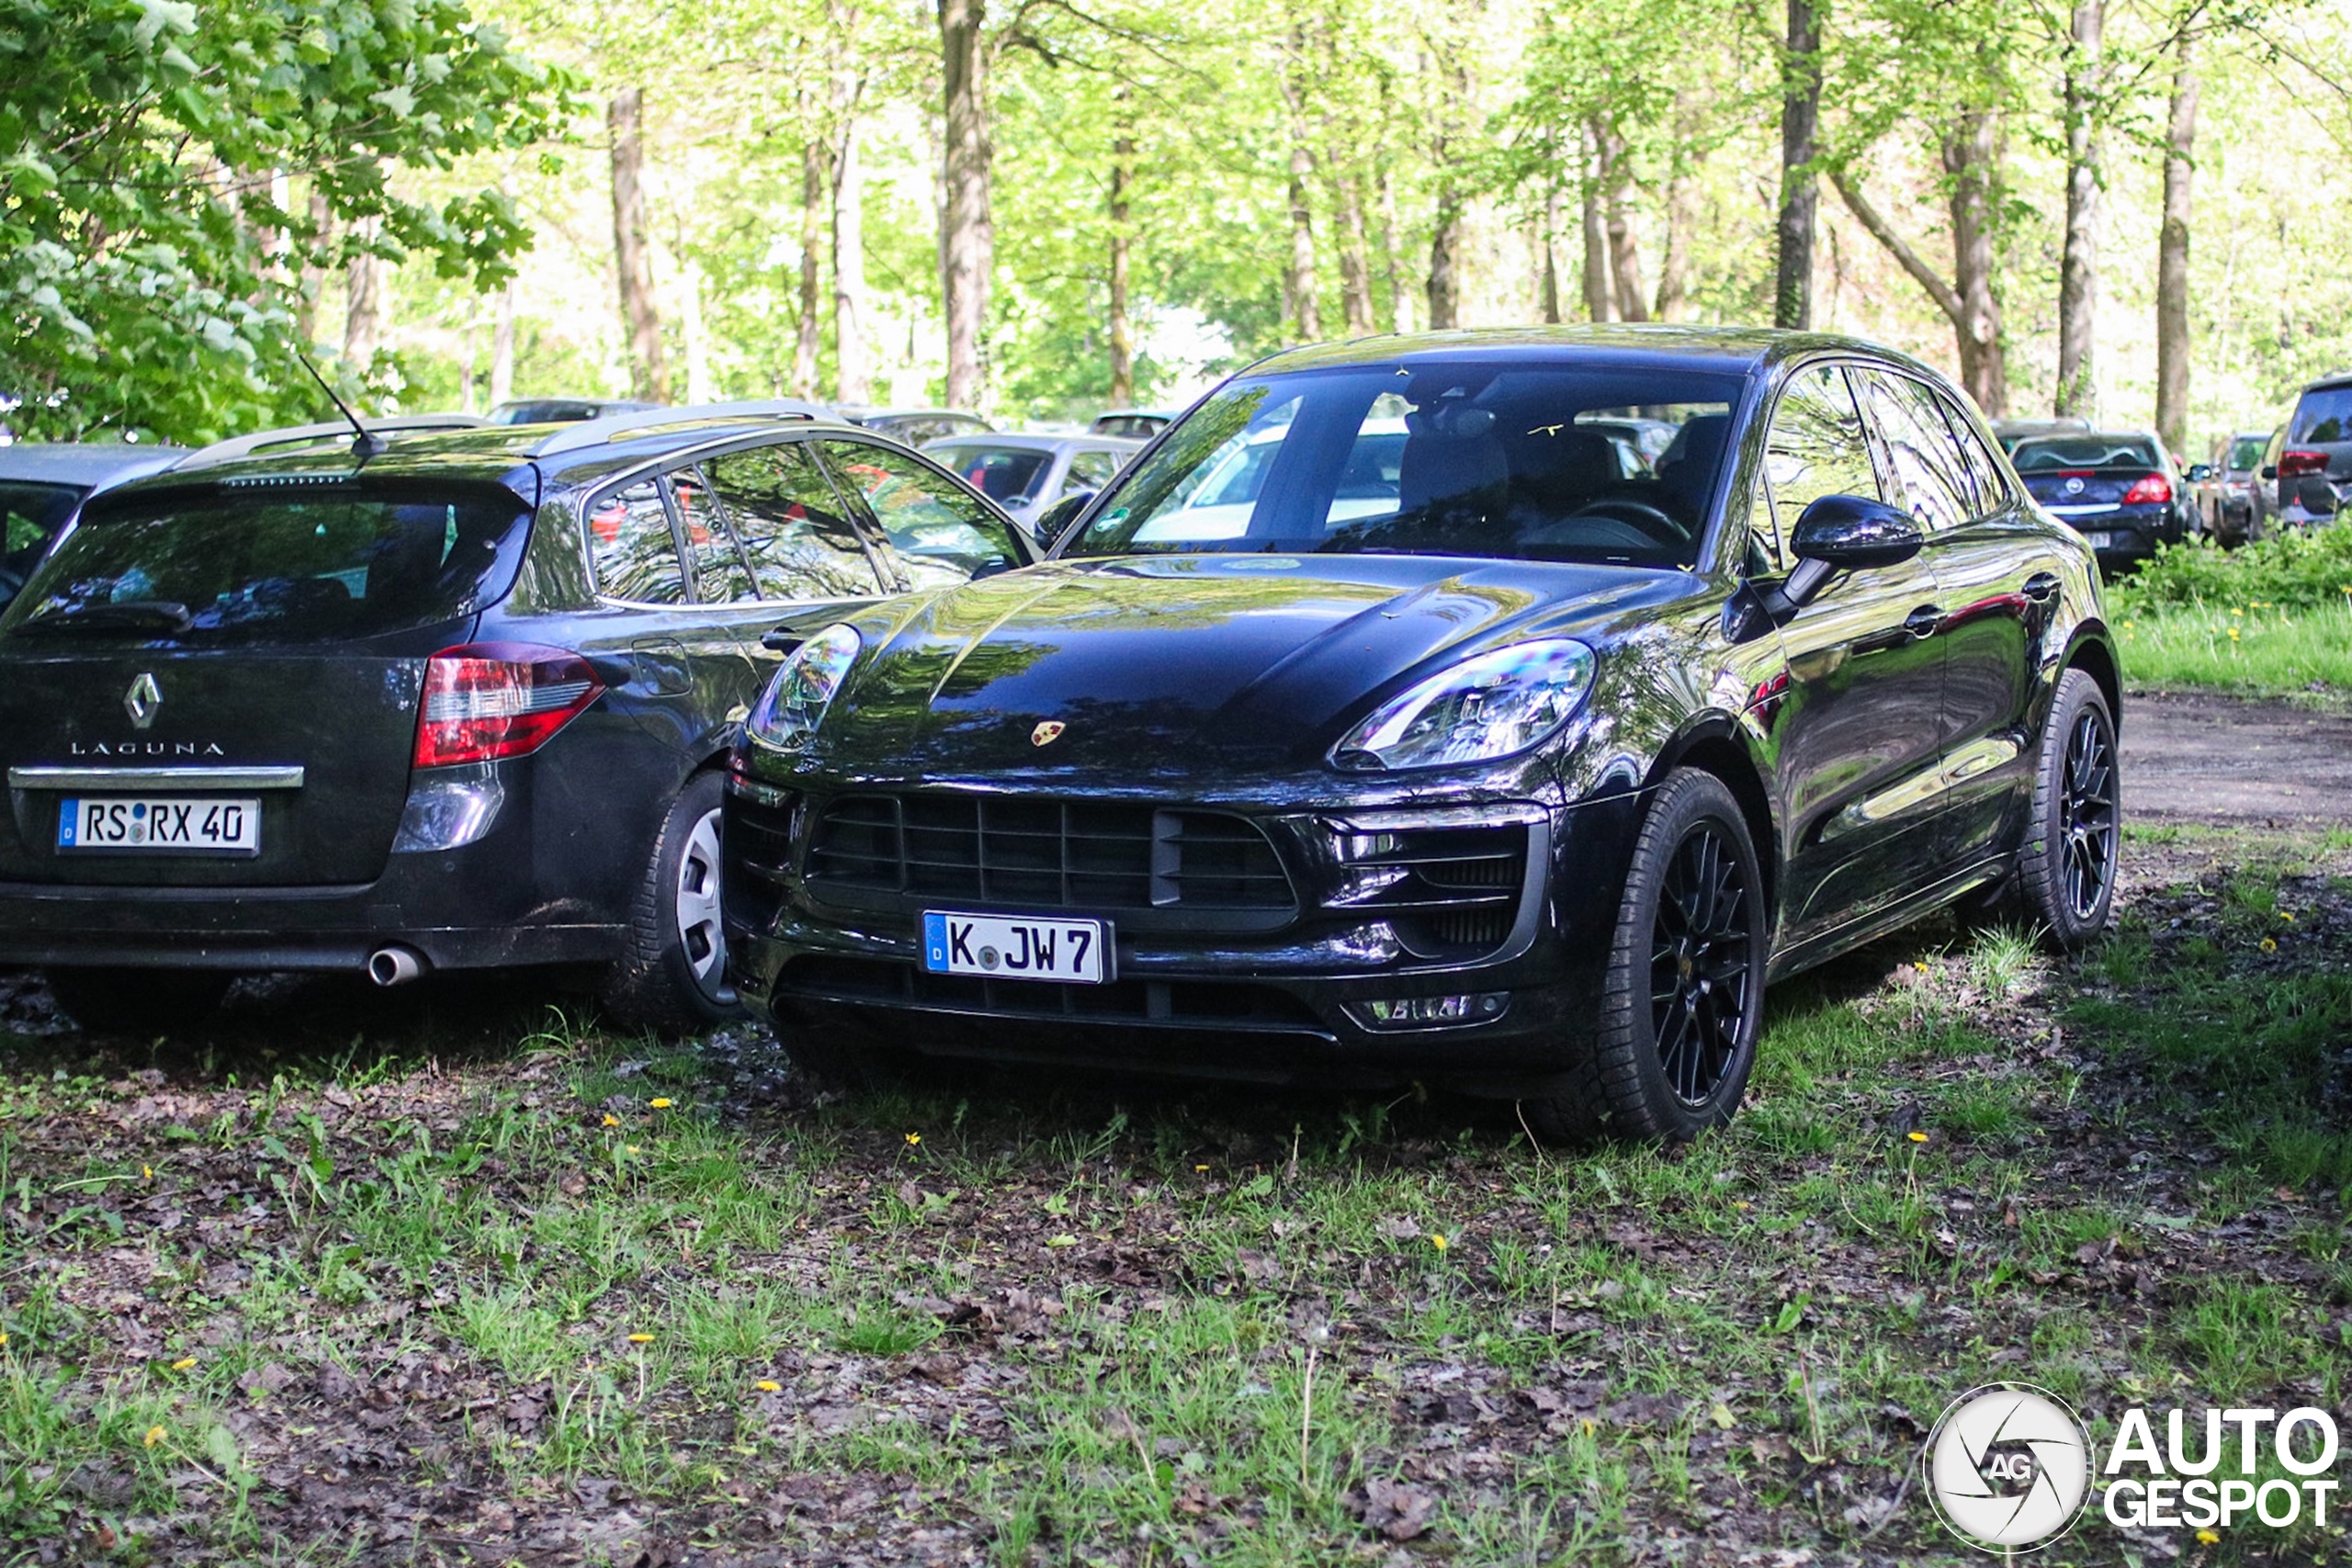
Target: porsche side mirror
[1846, 533]
[1057, 519]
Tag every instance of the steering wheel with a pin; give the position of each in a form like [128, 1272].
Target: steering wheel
[1639, 513]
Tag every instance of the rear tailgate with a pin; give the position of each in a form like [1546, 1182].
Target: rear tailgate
[238, 644]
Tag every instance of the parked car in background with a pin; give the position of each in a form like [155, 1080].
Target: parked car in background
[1027, 474]
[2311, 461]
[1524, 775]
[2223, 487]
[913, 427]
[2010, 432]
[463, 703]
[561, 410]
[2118, 487]
[1140, 424]
[43, 485]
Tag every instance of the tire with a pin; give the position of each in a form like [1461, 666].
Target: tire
[146, 1002]
[674, 976]
[2065, 880]
[1671, 1061]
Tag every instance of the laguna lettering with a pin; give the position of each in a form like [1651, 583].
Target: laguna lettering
[146, 749]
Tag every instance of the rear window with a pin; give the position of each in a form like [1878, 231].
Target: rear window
[2323, 415]
[2046, 453]
[1000, 473]
[270, 565]
[2245, 454]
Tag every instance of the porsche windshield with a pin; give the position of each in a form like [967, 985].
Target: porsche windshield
[1529, 462]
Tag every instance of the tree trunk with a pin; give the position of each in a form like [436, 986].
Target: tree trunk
[1682, 217]
[2171, 257]
[362, 312]
[632, 252]
[808, 344]
[2078, 268]
[1399, 319]
[1600, 293]
[1355, 262]
[1971, 157]
[1624, 247]
[853, 380]
[1299, 286]
[501, 348]
[1552, 212]
[690, 323]
[968, 242]
[1800, 190]
[314, 276]
[1122, 333]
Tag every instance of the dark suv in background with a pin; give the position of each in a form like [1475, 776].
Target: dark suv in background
[432, 701]
[2312, 466]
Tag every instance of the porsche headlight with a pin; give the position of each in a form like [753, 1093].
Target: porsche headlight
[1497, 705]
[794, 705]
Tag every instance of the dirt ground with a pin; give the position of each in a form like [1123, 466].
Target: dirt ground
[2218, 762]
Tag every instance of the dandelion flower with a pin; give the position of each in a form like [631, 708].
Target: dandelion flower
[2288, 916]
[1438, 1242]
[640, 1340]
[658, 1103]
[611, 1120]
[635, 1150]
[1916, 1137]
[1200, 1168]
[2209, 1538]
[184, 1363]
[2270, 944]
[914, 1138]
[155, 1434]
[4, 1339]
[147, 1171]
[768, 1385]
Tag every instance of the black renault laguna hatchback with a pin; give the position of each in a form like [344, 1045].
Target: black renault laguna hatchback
[462, 702]
[1422, 708]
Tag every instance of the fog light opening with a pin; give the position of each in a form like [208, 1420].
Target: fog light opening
[1431, 1012]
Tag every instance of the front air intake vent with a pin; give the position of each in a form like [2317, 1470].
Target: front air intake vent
[1447, 892]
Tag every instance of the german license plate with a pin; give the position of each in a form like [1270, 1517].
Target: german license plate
[1012, 947]
[2101, 539]
[153, 823]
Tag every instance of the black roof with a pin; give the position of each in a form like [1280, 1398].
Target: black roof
[1652, 344]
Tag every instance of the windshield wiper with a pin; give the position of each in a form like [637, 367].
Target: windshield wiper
[164, 616]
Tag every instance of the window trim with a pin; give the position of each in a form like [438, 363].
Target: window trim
[586, 508]
[853, 496]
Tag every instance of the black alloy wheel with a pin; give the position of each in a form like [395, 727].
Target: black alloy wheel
[1699, 969]
[2088, 816]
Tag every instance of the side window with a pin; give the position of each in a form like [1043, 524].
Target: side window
[1815, 446]
[1089, 470]
[1929, 473]
[721, 575]
[1764, 554]
[790, 522]
[629, 542]
[1983, 469]
[935, 533]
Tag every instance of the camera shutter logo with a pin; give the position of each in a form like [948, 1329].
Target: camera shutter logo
[2008, 1467]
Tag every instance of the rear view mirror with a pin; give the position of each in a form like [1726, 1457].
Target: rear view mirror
[2199, 472]
[2269, 470]
[1846, 533]
[1057, 519]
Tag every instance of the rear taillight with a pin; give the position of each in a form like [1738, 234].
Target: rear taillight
[488, 700]
[2294, 464]
[2152, 490]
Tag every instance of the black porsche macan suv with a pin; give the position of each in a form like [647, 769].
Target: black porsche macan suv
[458, 703]
[1388, 720]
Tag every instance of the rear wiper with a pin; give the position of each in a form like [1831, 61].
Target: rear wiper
[164, 616]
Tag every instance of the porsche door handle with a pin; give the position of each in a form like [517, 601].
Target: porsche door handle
[2042, 588]
[1924, 622]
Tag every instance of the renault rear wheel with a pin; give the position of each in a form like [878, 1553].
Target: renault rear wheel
[673, 978]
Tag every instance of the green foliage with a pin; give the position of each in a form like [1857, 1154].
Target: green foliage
[149, 159]
[2293, 570]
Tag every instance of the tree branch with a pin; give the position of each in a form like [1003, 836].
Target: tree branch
[1946, 297]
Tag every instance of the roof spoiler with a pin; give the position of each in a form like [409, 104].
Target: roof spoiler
[626, 426]
[262, 441]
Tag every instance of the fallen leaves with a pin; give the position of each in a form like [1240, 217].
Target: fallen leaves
[1394, 1510]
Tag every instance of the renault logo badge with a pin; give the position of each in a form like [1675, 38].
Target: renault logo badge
[142, 701]
[1047, 733]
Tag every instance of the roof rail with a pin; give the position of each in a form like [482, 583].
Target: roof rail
[304, 435]
[624, 426]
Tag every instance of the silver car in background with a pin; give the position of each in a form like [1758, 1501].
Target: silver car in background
[1027, 474]
[43, 484]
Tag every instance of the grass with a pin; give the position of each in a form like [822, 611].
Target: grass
[2252, 650]
[1058, 1322]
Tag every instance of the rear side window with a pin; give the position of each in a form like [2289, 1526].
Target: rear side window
[264, 565]
[1090, 470]
[790, 520]
[1815, 446]
[636, 557]
[2323, 415]
[721, 575]
[935, 533]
